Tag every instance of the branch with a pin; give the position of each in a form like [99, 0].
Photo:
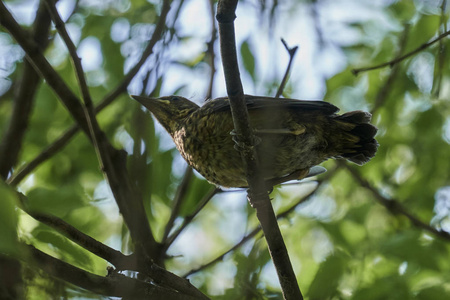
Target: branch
[62, 141]
[257, 193]
[210, 50]
[187, 220]
[116, 285]
[156, 36]
[291, 52]
[177, 201]
[42, 66]
[112, 162]
[92, 245]
[122, 262]
[395, 207]
[403, 57]
[26, 89]
[46, 154]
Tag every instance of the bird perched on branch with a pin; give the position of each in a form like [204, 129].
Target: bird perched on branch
[292, 136]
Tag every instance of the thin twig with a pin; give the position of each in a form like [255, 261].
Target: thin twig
[188, 219]
[220, 257]
[180, 196]
[92, 245]
[62, 141]
[403, 57]
[257, 193]
[25, 92]
[113, 285]
[42, 66]
[291, 52]
[120, 261]
[394, 206]
[210, 50]
[88, 110]
[112, 162]
[47, 153]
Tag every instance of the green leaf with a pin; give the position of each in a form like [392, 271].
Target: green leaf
[58, 202]
[68, 249]
[422, 32]
[434, 292]
[324, 285]
[248, 59]
[392, 288]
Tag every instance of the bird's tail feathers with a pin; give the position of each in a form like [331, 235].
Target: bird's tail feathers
[358, 143]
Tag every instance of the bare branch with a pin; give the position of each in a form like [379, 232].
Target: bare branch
[210, 50]
[177, 201]
[112, 162]
[62, 141]
[46, 154]
[395, 207]
[42, 66]
[11, 142]
[113, 285]
[187, 220]
[403, 57]
[257, 193]
[291, 52]
[131, 262]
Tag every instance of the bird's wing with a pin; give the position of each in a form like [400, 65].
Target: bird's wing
[259, 102]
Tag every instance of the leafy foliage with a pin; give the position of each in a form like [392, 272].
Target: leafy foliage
[342, 242]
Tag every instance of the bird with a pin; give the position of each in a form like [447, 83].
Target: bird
[292, 136]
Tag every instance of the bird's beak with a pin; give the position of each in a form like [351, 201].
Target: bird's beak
[148, 102]
[143, 100]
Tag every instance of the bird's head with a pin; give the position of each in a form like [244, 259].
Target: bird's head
[169, 110]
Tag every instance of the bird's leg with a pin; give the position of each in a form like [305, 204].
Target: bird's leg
[239, 146]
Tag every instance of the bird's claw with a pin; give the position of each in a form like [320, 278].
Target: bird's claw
[240, 146]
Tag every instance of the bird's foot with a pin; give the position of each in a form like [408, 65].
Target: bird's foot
[240, 146]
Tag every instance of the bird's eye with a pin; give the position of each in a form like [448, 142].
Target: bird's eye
[175, 98]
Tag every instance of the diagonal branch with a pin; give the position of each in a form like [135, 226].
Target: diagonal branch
[210, 50]
[403, 57]
[177, 201]
[11, 142]
[187, 220]
[46, 154]
[395, 207]
[64, 139]
[120, 261]
[291, 52]
[116, 285]
[257, 193]
[112, 161]
[42, 66]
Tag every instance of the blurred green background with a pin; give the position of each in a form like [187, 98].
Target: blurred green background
[343, 244]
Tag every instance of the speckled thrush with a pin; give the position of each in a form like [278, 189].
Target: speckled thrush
[293, 136]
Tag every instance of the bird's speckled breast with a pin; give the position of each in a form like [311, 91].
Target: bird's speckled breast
[210, 150]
